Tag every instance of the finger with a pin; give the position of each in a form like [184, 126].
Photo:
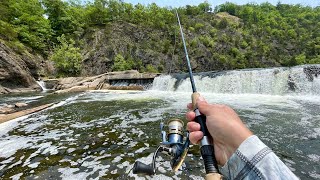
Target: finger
[193, 126]
[190, 115]
[195, 137]
[190, 106]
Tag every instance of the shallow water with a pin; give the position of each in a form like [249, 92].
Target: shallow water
[99, 135]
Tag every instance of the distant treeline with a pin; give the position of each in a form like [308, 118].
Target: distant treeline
[229, 36]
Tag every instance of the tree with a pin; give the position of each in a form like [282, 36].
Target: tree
[32, 27]
[96, 13]
[205, 6]
[61, 22]
[67, 58]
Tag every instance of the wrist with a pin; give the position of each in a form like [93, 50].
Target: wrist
[239, 138]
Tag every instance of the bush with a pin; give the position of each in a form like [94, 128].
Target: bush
[223, 23]
[120, 64]
[198, 26]
[67, 58]
[151, 69]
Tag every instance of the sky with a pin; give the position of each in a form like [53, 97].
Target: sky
[177, 3]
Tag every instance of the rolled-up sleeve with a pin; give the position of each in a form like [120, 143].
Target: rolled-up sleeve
[254, 160]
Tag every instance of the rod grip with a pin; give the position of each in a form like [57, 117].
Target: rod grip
[210, 162]
[194, 98]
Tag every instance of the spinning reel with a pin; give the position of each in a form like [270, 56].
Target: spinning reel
[172, 145]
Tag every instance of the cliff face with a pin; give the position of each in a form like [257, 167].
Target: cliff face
[17, 71]
[162, 48]
[133, 42]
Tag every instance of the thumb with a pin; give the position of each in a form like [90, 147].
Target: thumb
[204, 107]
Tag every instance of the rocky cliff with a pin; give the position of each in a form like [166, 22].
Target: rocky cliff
[18, 71]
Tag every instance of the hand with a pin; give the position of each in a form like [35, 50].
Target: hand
[224, 125]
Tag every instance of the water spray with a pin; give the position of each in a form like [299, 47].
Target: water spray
[172, 143]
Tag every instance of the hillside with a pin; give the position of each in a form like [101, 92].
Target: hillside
[112, 35]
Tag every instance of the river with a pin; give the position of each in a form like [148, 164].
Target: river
[99, 134]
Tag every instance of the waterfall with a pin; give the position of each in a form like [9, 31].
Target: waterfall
[299, 80]
[42, 84]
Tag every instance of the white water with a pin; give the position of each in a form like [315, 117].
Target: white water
[275, 81]
[42, 84]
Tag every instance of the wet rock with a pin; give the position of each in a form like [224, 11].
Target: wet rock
[311, 72]
[291, 84]
[139, 88]
[20, 104]
[51, 83]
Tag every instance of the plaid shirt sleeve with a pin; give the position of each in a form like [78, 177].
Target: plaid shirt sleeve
[254, 160]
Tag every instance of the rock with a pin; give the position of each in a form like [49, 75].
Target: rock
[105, 86]
[16, 70]
[73, 89]
[311, 72]
[139, 88]
[7, 117]
[6, 110]
[51, 83]
[19, 105]
[102, 81]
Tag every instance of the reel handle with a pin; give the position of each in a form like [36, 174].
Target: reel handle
[141, 168]
[207, 149]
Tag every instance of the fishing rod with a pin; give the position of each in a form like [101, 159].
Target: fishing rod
[172, 142]
[206, 148]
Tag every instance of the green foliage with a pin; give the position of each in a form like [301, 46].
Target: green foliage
[223, 23]
[228, 7]
[194, 43]
[300, 59]
[198, 26]
[315, 60]
[120, 64]
[7, 31]
[249, 35]
[191, 29]
[207, 41]
[213, 32]
[67, 58]
[151, 69]
[27, 20]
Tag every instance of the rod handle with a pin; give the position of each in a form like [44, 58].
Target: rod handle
[194, 98]
[207, 149]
